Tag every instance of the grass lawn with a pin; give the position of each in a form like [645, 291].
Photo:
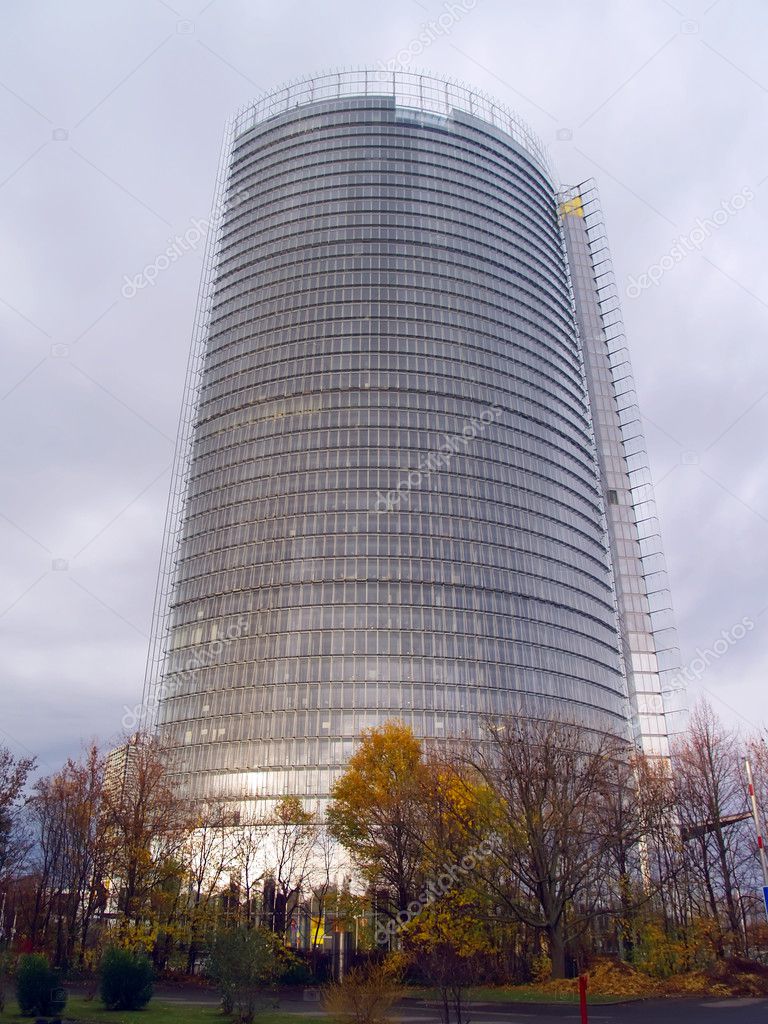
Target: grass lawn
[157, 1012]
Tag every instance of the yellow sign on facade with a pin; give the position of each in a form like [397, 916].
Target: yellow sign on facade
[573, 206]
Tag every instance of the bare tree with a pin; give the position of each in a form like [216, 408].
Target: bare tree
[208, 856]
[710, 791]
[661, 849]
[549, 784]
[323, 863]
[642, 840]
[149, 825]
[292, 831]
[14, 773]
[65, 811]
[15, 840]
[248, 845]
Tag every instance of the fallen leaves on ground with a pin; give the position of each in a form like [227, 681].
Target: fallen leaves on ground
[734, 977]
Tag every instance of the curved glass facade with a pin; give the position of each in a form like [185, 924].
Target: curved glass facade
[392, 502]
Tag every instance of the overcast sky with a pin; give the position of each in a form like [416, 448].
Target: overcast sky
[112, 117]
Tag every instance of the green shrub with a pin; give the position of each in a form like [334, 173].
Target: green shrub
[295, 971]
[125, 979]
[245, 964]
[38, 987]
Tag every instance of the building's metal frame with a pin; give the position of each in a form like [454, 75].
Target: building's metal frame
[618, 424]
[162, 611]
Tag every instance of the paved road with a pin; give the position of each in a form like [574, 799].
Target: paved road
[677, 1011]
[688, 1011]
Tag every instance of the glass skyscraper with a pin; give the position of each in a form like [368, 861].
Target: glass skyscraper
[403, 485]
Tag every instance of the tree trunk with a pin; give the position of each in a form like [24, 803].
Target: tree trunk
[719, 948]
[458, 1005]
[732, 913]
[445, 1009]
[556, 950]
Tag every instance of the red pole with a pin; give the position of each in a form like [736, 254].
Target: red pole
[583, 982]
[756, 819]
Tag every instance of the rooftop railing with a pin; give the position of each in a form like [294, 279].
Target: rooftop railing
[411, 90]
